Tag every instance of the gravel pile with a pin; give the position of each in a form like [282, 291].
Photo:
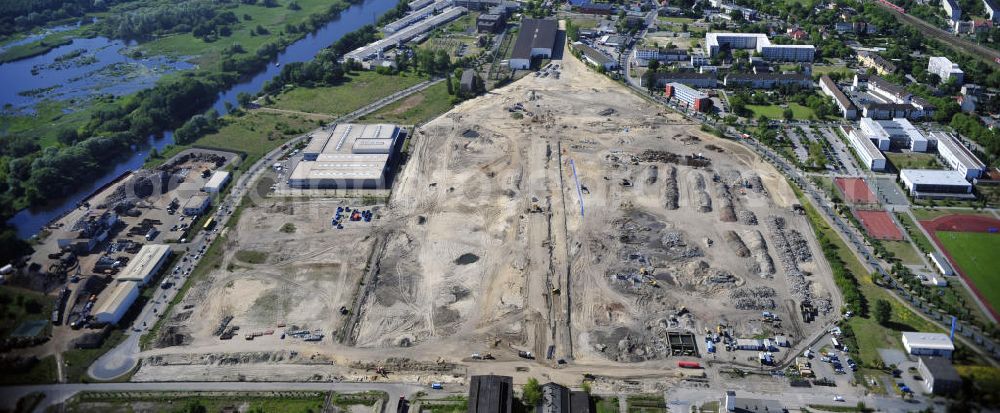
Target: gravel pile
[726, 213]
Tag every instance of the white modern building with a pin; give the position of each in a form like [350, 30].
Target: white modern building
[114, 304]
[215, 183]
[945, 69]
[716, 42]
[894, 134]
[865, 149]
[958, 157]
[928, 344]
[349, 156]
[416, 15]
[146, 263]
[929, 183]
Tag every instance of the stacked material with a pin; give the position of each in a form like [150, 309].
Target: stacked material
[736, 243]
[704, 200]
[753, 298]
[651, 174]
[671, 188]
[746, 217]
[763, 265]
[726, 213]
[797, 283]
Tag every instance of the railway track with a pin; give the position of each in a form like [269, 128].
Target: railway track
[961, 45]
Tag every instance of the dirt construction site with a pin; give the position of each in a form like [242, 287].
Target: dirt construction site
[562, 217]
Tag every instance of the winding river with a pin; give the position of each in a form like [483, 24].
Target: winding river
[44, 84]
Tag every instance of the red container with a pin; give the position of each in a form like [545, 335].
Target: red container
[688, 364]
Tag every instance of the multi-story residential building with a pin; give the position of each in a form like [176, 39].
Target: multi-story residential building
[873, 60]
[952, 10]
[692, 98]
[830, 88]
[716, 42]
[945, 69]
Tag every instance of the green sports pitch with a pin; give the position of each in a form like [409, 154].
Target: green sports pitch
[976, 254]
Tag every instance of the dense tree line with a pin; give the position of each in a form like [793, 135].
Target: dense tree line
[22, 15]
[201, 17]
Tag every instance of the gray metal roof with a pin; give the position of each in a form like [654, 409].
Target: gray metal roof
[534, 34]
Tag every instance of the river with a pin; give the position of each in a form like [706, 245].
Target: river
[29, 221]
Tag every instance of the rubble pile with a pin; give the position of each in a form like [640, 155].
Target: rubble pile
[797, 283]
[704, 200]
[736, 243]
[746, 217]
[671, 187]
[140, 185]
[677, 248]
[762, 264]
[755, 184]
[753, 298]
[659, 156]
[799, 246]
[651, 174]
[726, 213]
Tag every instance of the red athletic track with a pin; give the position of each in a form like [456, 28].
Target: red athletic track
[856, 190]
[879, 225]
[962, 223]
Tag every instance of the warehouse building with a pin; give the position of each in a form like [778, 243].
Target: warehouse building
[928, 344]
[935, 184]
[940, 376]
[416, 15]
[693, 99]
[113, 306]
[958, 157]
[945, 69]
[349, 156]
[594, 57]
[830, 88]
[895, 134]
[865, 149]
[218, 181]
[146, 263]
[365, 54]
[537, 38]
[491, 394]
[196, 205]
[717, 42]
[767, 80]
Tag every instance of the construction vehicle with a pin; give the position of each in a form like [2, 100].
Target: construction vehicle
[555, 291]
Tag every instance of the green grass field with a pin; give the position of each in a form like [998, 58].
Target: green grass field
[416, 109]
[255, 133]
[913, 160]
[926, 214]
[905, 251]
[976, 255]
[359, 90]
[799, 112]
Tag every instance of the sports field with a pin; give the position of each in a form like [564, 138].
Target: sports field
[879, 225]
[976, 255]
[856, 190]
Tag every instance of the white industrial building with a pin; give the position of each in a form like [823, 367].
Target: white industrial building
[216, 182]
[196, 205]
[113, 306]
[945, 69]
[416, 15]
[928, 183]
[146, 263]
[375, 49]
[865, 149]
[716, 42]
[894, 134]
[350, 156]
[928, 344]
[957, 156]
[941, 263]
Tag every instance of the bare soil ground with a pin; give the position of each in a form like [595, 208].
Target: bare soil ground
[484, 248]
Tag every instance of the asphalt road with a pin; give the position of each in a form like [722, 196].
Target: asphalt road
[58, 393]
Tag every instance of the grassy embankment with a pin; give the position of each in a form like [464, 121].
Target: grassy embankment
[415, 109]
[211, 401]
